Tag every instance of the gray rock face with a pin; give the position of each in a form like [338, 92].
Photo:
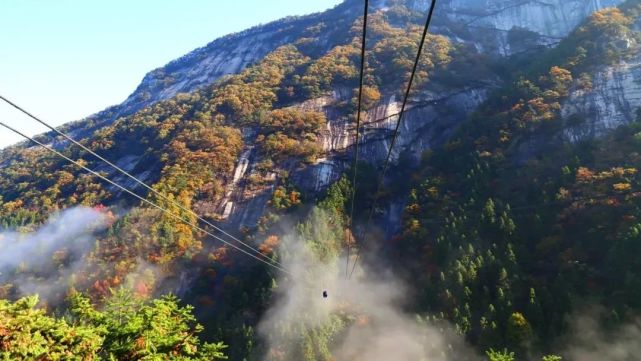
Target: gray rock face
[505, 27]
[224, 56]
[612, 101]
[550, 18]
[429, 120]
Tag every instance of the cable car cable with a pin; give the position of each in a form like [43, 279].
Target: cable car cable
[358, 129]
[400, 119]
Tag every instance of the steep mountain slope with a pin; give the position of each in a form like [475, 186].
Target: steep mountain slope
[254, 129]
[224, 56]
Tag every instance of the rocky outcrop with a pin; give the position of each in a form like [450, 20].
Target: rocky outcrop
[505, 27]
[429, 121]
[224, 56]
[549, 18]
[613, 100]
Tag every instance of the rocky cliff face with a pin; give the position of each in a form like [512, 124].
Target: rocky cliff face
[224, 56]
[497, 26]
[613, 100]
[429, 121]
[549, 18]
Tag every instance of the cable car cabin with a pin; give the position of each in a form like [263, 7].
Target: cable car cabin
[324, 294]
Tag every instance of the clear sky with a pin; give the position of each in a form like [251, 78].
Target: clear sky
[66, 59]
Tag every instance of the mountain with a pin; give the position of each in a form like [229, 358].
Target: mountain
[510, 206]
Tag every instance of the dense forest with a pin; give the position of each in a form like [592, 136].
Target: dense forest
[509, 234]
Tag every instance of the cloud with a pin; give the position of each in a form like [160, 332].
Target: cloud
[362, 319]
[41, 262]
[590, 342]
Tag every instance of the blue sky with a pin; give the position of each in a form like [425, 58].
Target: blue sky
[66, 59]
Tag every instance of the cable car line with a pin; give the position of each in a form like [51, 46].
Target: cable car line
[399, 120]
[358, 128]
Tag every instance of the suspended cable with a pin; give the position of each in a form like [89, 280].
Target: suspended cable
[144, 200]
[398, 122]
[134, 178]
[358, 128]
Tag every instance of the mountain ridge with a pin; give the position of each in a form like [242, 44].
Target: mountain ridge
[209, 63]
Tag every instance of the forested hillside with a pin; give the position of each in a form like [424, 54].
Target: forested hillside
[507, 224]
